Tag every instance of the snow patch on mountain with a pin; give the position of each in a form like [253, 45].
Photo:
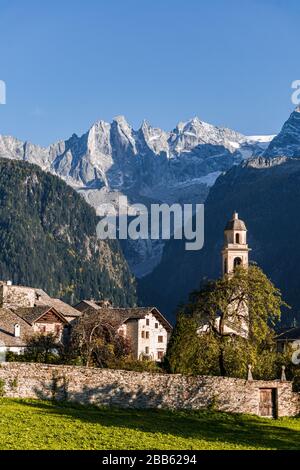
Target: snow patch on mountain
[261, 138]
[148, 165]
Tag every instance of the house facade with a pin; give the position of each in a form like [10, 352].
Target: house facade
[145, 327]
[13, 332]
[43, 320]
[18, 325]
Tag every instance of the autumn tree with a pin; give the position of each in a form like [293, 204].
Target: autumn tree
[95, 338]
[227, 325]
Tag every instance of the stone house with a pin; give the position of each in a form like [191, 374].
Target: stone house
[145, 327]
[25, 311]
[13, 296]
[17, 325]
[13, 332]
[43, 320]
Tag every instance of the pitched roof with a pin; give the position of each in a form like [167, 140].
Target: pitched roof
[32, 314]
[121, 315]
[62, 307]
[41, 293]
[8, 320]
[289, 335]
[85, 304]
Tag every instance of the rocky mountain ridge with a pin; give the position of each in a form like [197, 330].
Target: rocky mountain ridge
[147, 165]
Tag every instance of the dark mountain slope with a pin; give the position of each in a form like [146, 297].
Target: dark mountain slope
[266, 193]
[48, 239]
[287, 142]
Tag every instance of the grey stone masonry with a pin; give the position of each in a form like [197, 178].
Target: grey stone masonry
[142, 390]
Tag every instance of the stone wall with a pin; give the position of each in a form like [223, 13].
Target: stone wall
[141, 390]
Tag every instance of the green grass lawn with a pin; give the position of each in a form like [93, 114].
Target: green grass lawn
[30, 424]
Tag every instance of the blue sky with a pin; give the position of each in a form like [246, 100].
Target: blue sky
[69, 63]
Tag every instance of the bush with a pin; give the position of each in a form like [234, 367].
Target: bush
[135, 365]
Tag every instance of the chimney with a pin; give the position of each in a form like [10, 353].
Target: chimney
[17, 331]
[104, 303]
[9, 283]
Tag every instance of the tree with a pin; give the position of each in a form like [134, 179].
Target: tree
[42, 348]
[235, 316]
[189, 353]
[96, 340]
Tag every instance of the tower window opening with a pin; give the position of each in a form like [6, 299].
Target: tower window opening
[237, 262]
[237, 238]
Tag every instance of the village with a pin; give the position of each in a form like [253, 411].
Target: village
[27, 311]
[28, 314]
[149, 243]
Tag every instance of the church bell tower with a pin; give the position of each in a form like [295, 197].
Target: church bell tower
[235, 251]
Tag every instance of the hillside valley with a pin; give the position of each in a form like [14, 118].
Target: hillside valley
[48, 239]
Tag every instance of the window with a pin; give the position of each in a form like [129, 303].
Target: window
[160, 339]
[280, 347]
[147, 321]
[17, 330]
[237, 238]
[143, 334]
[156, 325]
[160, 354]
[237, 262]
[147, 350]
[147, 335]
[57, 330]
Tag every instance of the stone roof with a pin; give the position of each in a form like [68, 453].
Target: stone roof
[62, 307]
[83, 305]
[41, 293]
[235, 223]
[32, 314]
[118, 316]
[8, 320]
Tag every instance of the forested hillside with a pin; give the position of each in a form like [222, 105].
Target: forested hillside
[48, 239]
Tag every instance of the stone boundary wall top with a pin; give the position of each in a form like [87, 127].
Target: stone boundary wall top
[125, 389]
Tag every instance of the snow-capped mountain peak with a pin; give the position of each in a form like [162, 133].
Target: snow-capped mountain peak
[110, 146]
[146, 165]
